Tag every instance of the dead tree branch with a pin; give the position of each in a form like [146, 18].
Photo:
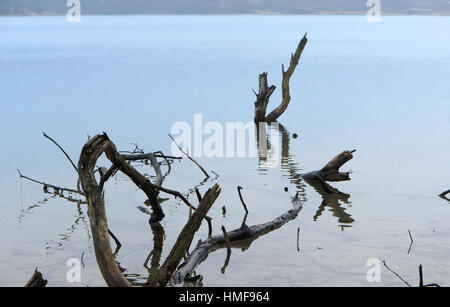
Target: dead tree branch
[90, 153]
[48, 185]
[185, 238]
[190, 158]
[241, 237]
[239, 188]
[36, 281]
[330, 172]
[384, 262]
[63, 151]
[263, 96]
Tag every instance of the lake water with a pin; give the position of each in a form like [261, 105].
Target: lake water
[381, 88]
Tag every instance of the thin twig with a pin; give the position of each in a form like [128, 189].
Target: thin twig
[47, 185]
[384, 262]
[412, 241]
[118, 244]
[82, 262]
[190, 158]
[199, 196]
[208, 219]
[242, 200]
[64, 152]
[298, 238]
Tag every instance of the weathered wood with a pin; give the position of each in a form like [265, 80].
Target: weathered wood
[241, 237]
[90, 153]
[184, 239]
[36, 281]
[139, 180]
[330, 172]
[263, 96]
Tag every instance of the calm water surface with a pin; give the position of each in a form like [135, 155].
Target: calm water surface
[380, 88]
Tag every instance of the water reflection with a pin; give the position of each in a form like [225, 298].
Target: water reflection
[332, 198]
[79, 219]
[155, 254]
[266, 149]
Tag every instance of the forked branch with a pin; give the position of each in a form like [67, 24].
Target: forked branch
[262, 98]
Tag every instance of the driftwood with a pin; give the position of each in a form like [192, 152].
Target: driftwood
[36, 281]
[184, 239]
[238, 238]
[111, 272]
[263, 96]
[93, 149]
[330, 172]
[93, 193]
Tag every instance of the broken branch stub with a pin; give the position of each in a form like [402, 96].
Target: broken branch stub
[330, 172]
[263, 96]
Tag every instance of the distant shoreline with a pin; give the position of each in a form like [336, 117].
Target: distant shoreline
[415, 13]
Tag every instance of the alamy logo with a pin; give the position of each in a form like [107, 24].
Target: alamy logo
[236, 139]
[74, 13]
[374, 273]
[374, 13]
[74, 273]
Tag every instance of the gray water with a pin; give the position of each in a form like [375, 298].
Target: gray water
[381, 88]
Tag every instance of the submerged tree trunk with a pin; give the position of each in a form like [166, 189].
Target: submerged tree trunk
[263, 96]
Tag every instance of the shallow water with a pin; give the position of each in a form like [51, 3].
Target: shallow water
[381, 88]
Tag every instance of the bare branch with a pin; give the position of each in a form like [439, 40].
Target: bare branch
[48, 185]
[185, 238]
[384, 262]
[239, 188]
[64, 152]
[190, 158]
[241, 237]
